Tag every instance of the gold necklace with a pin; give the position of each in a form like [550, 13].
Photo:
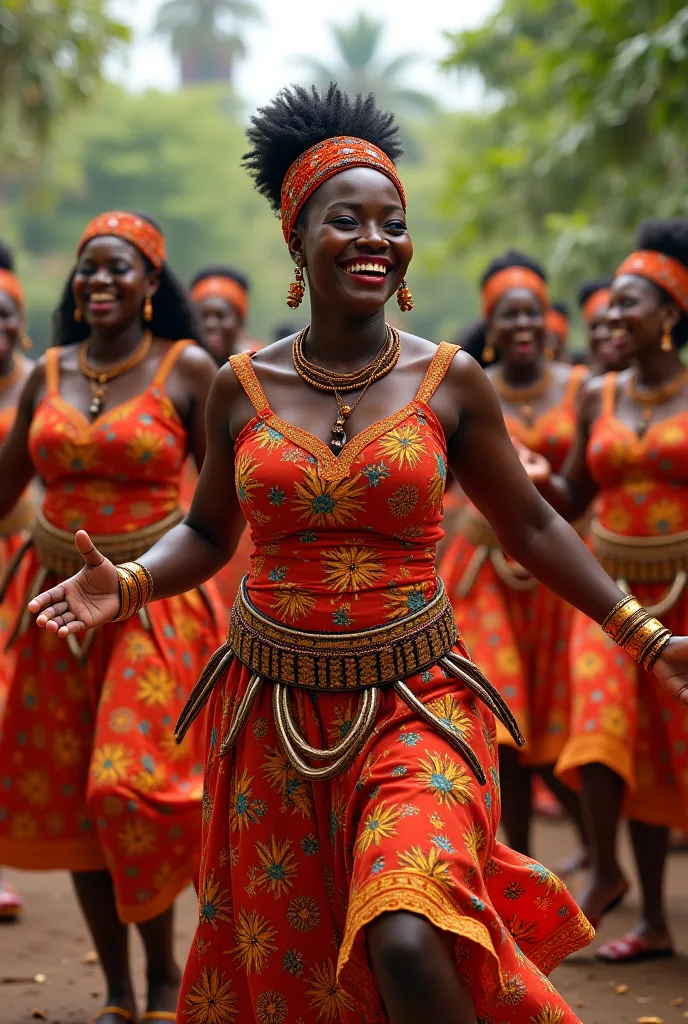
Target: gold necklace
[335, 383]
[101, 378]
[523, 396]
[14, 376]
[650, 399]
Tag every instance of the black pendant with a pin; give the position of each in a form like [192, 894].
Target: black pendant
[338, 436]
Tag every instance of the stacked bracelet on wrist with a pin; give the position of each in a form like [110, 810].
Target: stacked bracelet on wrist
[636, 631]
[135, 587]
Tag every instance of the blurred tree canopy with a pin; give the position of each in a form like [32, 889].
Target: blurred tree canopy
[583, 133]
[177, 156]
[206, 36]
[51, 56]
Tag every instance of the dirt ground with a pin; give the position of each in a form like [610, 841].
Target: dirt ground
[52, 941]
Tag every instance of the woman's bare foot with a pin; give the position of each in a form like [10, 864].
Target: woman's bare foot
[602, 896]
[644, 942]
[163, 992]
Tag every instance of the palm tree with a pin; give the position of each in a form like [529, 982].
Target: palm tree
[360, 69]
[206, 36]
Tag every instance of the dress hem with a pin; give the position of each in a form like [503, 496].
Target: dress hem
[37, 855]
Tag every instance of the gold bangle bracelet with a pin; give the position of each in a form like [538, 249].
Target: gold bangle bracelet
[136, 589]
[619, 615]
[636, 631]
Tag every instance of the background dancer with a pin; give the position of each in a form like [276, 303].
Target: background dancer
[92, 780]
[603, 354]
[221, 296]
[518, 629]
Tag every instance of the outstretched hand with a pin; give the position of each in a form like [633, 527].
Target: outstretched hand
[671, 668]
[536, 466]
[84, 601]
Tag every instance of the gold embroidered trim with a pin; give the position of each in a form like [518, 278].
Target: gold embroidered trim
[573, 935]
[436, 371]
[330, 466]
[415, 892]
[335, 661]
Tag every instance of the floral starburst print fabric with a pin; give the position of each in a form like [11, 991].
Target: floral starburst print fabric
[292, 872]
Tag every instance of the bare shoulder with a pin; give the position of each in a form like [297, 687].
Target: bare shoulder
[592, 394]
[195, 360]
[276, 356]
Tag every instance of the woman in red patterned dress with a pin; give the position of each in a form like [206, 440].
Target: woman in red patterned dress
[517, 629]
[91, 780]
[14, 370]
[628, 745]
[350, 868]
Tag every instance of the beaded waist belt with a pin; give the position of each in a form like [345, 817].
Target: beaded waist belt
[364, 661]
[631, 560]
[21, 518]
[478, 532]
[57, 552]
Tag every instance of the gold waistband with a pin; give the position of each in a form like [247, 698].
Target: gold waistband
[640, 559]
[341, 661]
[20, 519]
[57, 552]
[365, 661]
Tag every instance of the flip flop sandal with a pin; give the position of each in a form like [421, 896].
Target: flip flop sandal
[158, 1015]
[11, 904]
[630, 949]
[116, 1011]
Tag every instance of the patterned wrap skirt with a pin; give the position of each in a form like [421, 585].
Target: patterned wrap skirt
[293, 871]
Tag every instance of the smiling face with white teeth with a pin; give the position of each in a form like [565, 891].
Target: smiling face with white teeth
[637, 313]
[517, 327]
[353, 240]
[111, 282]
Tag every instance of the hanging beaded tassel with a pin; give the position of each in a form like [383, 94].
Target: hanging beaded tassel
[297, 289]
[488, 352]
[667, 340]
[404, 298]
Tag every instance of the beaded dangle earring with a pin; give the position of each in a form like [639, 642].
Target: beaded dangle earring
[148, 309]
[404, 298]
[667, 342]
[78, 314]
[297, 289]
[488, 352]
[25, 342]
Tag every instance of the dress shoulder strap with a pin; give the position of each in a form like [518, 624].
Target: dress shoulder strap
[246, 375]
[168, 361]
[579, 374]
[441, 361]
[609, 394]
[52, 370]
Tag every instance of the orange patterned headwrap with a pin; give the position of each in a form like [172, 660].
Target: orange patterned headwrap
[662, 270]
[557, 323]
[323, 161]
[506, 281]
[595, 303]
[220, 287]
[10, 284]
[131, 228]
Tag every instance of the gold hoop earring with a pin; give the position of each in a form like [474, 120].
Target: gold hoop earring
[404, 298]
[297, 289]
[78, 316]
[148, 309]
[488, 352]
[667, 343]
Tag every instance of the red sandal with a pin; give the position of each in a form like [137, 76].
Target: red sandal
[115, 1011]
[630, 949]
[11, 904]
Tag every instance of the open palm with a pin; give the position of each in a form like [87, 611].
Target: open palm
[671, 669]
[84, 601]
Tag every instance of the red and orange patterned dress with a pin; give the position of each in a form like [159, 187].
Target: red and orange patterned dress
[10, 542]
[620, 716]
[90, 774]
[520, 637]
[293, 871]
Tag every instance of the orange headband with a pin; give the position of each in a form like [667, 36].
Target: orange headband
[557, 323]
[323, 161]
[507, 280]
[9, 283]
[218, 287]
[131, 228]
[595, 303]
[662, 270]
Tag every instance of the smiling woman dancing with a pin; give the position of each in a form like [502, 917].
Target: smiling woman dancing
[91, 779]
[362, 880]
